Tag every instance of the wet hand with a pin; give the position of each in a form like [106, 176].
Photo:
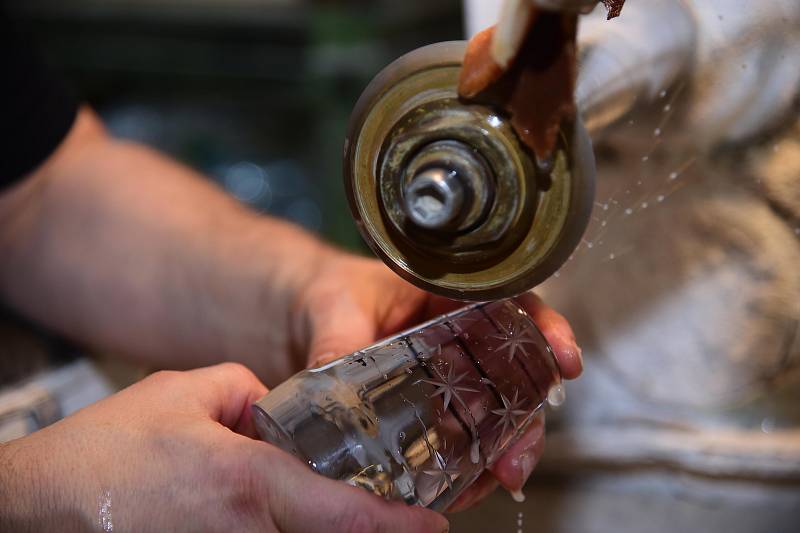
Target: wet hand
[175, 452]
[355, 301]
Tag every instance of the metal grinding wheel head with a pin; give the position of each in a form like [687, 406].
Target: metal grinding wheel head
[447, 196]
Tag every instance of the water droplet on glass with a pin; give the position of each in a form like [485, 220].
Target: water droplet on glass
[628, 211]
[556, 395]
[644, 205]
[667, 108]
[611, 256]
[603, 223]
[645, 158]
[657, 132]
[662, 94]
[768, 424]
[590, 245]
[660, 198]
[673, 175]
[475, 452]
[605, 207]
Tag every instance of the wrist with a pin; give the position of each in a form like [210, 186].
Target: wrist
[264, 267]
[30, 498]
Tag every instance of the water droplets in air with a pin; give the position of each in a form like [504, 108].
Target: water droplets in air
[648, 162]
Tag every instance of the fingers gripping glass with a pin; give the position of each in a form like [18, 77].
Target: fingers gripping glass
[418, 416]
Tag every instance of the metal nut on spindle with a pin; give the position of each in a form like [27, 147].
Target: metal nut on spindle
[434, 198]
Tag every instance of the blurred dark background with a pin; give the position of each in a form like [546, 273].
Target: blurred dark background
[254, 93]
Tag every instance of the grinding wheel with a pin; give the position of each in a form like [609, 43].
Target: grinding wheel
[445, 193]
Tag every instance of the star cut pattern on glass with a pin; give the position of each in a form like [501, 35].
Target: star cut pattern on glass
[509, 413]
[448, 386]
[443, 471]
[515, 339]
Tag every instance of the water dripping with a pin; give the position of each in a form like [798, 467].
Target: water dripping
[519, 522]
[556, 395]
[475, 451]
[517, 495]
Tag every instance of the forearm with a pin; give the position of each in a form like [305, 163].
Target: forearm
[121, 248]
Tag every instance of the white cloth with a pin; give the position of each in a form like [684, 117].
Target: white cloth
[740, 57]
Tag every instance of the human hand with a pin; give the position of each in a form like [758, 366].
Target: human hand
[174, 453]
[354, 301]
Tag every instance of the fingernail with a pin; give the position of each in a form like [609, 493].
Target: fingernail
[572, 350]
[527, 462]
[527, 459]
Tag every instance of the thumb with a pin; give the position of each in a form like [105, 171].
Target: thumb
[339, 331]
[328, 505]
[226, 392]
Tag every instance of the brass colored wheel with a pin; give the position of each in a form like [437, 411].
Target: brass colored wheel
[447, 196]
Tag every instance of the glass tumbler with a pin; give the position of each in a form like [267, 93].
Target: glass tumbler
[418, 416]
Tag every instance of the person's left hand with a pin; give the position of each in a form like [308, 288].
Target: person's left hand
[354, 301]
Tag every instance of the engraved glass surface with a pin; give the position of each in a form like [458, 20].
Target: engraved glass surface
[418, 416]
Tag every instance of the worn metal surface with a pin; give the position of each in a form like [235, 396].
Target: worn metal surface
[538, 212]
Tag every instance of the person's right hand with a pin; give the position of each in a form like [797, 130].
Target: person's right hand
[175, 452]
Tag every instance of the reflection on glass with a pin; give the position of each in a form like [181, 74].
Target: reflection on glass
[418, 416]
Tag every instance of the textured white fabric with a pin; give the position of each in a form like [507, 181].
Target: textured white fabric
[741, 59]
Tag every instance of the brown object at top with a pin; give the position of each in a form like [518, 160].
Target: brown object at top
[614, 7]
[537, 89]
